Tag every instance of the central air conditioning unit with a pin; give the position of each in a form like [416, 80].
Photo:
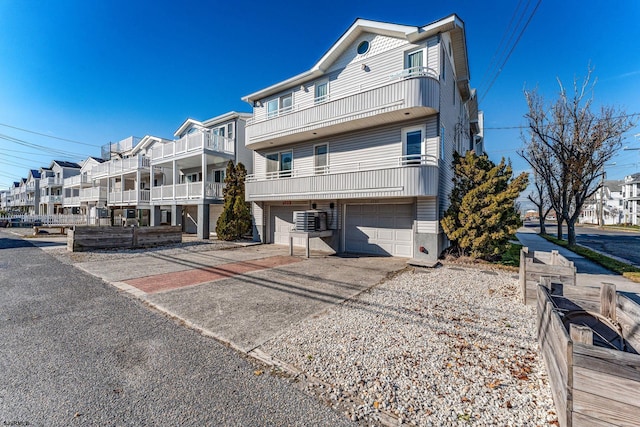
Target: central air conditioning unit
[312, 220]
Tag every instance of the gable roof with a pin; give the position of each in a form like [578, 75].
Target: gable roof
[210, 122]
[64, 164]
[35, 173]
[412, 34]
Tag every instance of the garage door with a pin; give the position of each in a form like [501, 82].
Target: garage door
[379, 229]
[281, 222]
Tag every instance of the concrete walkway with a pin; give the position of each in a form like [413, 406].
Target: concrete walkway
[589, 273]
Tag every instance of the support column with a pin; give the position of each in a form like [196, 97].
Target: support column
[203, 221]
[176, 215]
[156, 216]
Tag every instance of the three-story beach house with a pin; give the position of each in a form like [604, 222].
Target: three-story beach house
[362, 143]
[189, 171]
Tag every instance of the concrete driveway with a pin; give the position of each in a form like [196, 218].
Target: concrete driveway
[243, 296]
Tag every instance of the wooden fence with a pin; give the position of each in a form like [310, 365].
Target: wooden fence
[537, 264]
[84, 238]
[592, 385]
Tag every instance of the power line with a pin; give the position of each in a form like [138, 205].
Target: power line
[510, 51]
[624, 116]
[49, 136]
[40, 147]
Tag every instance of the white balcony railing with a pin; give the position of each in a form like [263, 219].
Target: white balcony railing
[93, 194]
[129, 197]
[51, 182]
[76, 180]
[120, 166]
[51, 199]
[195, 141]
[352, 90]
[355, 166]
[71, 201]
[191, 190]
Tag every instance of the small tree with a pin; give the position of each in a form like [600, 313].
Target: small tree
[482, 216]
[235, 220]
[540, 198]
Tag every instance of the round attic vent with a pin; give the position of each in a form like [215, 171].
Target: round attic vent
[363, 47]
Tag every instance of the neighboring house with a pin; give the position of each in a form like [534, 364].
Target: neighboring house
[612, 205]
[5, 200]
[189, 172]
[631, 196]
[126, 179]
[366, 137]
[14, 192]
[32, 192]
[51, 185]
[79, 197]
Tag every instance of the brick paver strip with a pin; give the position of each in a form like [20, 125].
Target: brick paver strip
[180, 279]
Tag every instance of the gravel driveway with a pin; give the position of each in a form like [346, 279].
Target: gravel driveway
[449, 346]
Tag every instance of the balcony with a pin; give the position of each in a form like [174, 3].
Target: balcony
[94, 194]
[188, 191]
[76, 181]
[50, 182]
[71, 201]
[120, 166]
[403, 95]
[404, 176]
[31, 187]
[192, 143]
[51, 199]
[129, 197]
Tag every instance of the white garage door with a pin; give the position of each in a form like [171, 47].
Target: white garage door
[380, 229]
[281, 222]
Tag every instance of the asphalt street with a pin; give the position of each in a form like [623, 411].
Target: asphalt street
[622, 244]
[76, 351]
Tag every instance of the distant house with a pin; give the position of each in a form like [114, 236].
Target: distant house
[631, 196]
[51, 186]
[612, 205]
[365, 141]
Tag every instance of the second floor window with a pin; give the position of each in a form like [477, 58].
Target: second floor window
[321, 91]
[279, 164]
[321, 155]
[280, 105]
[415, 62]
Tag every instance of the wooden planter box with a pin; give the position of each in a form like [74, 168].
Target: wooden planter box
[535, 265]
[85, 238]
[591, 385]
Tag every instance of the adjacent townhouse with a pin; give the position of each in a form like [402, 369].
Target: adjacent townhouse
[32, 188]
[362, 143]
[51, 186]
[5, 200]
[125, 179]
[78, 195]
[189, 172]
[631, 196]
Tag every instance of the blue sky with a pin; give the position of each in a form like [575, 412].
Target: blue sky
[95, 72]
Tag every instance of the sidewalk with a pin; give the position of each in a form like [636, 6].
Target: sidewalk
[589, 273]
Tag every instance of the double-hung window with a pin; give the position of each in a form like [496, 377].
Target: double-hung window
[279, 164]
[321, 158]
[413, 144]
[321, 91]
[218, 175]
[280, 105]
[415, 62]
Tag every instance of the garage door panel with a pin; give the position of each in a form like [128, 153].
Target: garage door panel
[379, 229]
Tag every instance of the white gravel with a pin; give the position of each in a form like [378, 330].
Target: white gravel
[450, 346]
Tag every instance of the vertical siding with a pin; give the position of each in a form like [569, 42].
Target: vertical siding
[427, 215]
[243, 154]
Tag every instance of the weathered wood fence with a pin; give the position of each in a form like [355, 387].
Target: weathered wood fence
[592, 385]
[84, 238]
[537, 264]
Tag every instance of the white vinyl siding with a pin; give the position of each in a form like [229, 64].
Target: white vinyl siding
[427, 216]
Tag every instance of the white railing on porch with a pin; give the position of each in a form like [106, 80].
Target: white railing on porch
[190, 190]
[49, 219]
[352, 90]
[355, 166]
[93, 194]
[129, 196]
[119, 166]
[195, 141]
